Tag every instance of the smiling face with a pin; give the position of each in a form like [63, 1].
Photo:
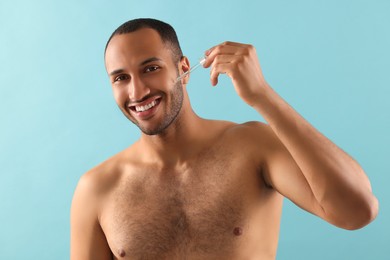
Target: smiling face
[143, 78]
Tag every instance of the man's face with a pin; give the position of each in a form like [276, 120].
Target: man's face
[143, 78]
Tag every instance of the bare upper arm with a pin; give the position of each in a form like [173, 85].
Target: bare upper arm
[281, 172]
[87, 238]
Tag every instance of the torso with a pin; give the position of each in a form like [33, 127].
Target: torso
[217, 206]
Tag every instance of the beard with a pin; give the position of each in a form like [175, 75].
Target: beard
[176, 101]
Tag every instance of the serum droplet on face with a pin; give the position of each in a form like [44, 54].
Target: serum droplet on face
[237, 231]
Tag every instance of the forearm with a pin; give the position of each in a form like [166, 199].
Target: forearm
[340, 187]
[338, 183]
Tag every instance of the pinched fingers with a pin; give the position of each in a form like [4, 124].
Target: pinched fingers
[221, 68]
[226, 48]
[222, 64]
[226, 58]
[241, 64]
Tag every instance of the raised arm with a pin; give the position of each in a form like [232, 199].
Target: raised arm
[87, 238]
[306, 167]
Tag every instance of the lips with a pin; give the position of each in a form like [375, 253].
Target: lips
[146, 108]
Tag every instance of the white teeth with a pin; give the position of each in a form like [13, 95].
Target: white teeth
[146, 107]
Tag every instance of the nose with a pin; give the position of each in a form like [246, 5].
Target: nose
[137, 89]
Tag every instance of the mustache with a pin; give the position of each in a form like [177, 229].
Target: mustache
[133, 102]
[158, 93]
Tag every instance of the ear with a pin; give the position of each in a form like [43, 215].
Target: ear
[184, 66]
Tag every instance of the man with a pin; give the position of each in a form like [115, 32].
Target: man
[192, 188]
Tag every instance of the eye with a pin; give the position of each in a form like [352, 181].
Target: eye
[151, 68]
[120, 78]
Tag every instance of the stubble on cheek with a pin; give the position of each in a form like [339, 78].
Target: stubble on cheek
[171, 104]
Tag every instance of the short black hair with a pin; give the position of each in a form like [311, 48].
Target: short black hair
[166, 32]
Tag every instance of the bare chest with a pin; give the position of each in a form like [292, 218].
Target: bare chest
[170, 214]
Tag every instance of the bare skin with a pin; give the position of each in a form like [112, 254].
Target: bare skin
[206, 189]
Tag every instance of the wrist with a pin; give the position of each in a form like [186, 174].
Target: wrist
[263, 97]
[269, 104]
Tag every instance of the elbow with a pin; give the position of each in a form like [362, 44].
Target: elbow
[364, 215]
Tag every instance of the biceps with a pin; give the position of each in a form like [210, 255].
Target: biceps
[285, 176]
[89, 243]
[87, 238]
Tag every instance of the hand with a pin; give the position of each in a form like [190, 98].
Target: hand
[240, 63]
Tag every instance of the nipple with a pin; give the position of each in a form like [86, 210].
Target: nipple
[237, 231]
[121, 252]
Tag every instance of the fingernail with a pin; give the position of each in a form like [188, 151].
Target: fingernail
[207, 52]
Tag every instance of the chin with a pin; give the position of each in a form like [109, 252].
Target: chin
[153, 131]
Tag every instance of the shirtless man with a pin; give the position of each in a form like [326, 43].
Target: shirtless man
[192, 188]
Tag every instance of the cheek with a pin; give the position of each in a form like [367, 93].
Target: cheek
[163, 80]
[120, 95]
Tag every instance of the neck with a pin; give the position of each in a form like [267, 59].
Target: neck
[179, 142]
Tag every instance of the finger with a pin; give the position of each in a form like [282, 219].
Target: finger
[217, 67]
[237, 44]
[227, 43]
[223, 58]
[222, 49]
[220, 68]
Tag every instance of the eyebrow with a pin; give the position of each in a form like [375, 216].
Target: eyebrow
[150, 60]
[118, 71]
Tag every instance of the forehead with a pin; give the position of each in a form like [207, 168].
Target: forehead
[128, 48]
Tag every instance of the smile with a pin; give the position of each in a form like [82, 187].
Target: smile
[146, 107]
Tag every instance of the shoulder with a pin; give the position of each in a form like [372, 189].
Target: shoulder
[231, 128]
[254, 139]
[95, 185]
[252, 132]
[87, 237]
[97, 179]
[252, 126]
[90, 190]
[249, 135]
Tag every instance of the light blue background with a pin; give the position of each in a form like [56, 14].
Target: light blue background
[329, 59]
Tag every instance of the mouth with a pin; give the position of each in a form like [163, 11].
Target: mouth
[146, 108]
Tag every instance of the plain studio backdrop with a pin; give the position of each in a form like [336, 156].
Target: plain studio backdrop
[329, 59]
